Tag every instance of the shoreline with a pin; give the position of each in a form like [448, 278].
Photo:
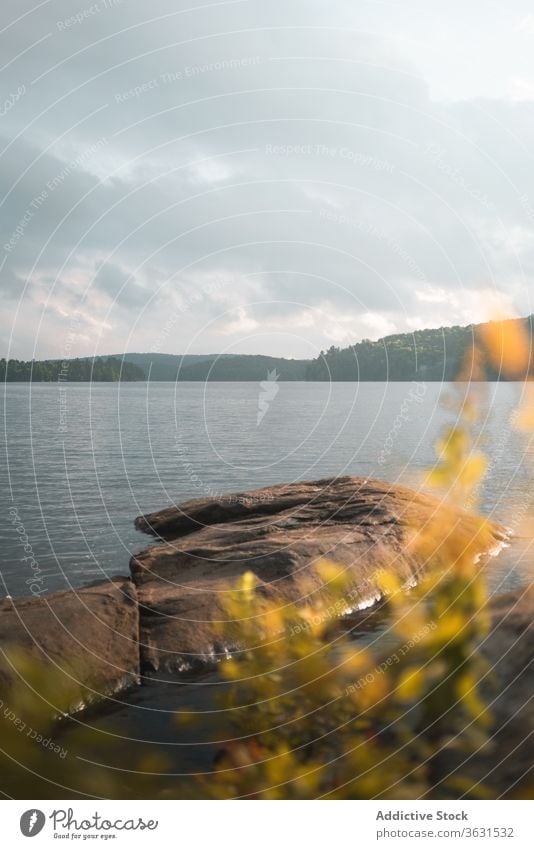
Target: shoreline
[160, 619]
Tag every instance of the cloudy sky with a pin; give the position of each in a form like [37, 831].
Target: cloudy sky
[261, 177]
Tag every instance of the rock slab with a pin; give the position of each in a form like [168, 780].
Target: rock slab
[85, 640]
[281, 534]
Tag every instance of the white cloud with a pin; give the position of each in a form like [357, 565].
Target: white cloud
[521, 89]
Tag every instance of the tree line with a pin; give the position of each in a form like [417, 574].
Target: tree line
[83, 370]
[431, 355]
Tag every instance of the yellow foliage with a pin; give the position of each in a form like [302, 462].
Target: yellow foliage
[411, 685]
[339, 721]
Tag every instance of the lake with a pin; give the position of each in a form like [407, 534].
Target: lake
[83, 460]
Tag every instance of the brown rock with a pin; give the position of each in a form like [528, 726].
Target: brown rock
[280, 534]
[503, 764]
[509, 690]
[83, 640]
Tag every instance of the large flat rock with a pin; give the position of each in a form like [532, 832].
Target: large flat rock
[280, 533]
[85, 640]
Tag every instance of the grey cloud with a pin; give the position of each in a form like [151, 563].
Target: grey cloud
[119, 286]
[298, 150]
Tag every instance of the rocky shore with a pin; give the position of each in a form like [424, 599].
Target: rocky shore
[165, 618]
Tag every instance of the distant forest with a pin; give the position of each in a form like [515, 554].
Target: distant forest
[430, 355]
[82, 370]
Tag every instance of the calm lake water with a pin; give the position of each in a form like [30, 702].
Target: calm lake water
[82, 463]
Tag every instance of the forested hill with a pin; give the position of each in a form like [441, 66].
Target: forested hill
[101, 369]
[431, 355]
[157, 366]
[246, 367]
[223, 367]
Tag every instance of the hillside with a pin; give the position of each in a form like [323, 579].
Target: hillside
[431, 355]
[162, 366]
[245, 367]
[218, 367]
